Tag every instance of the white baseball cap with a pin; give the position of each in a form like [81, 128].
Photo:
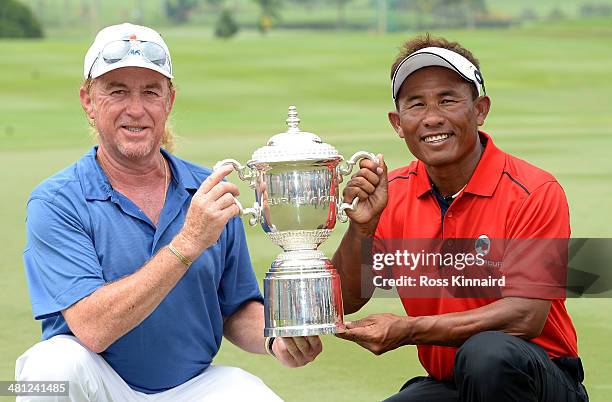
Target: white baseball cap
[437, 56]
[127, 45]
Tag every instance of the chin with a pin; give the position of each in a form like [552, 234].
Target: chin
[436, 159]
[136, 151]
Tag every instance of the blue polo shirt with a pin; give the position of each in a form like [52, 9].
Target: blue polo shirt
[82, 234]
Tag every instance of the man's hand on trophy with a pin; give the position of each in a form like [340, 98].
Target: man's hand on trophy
[212, 206]
[369, 184]
[297, 351]
[379, 333]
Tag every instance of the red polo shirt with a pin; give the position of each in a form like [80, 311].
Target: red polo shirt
[506, 197]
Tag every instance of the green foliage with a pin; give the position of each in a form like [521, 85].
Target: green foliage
[341, 7]
[458, 12]
[556, 14]
[269, 11]
[17, 21]
[178, 10]
[596, 10]
[226, 26]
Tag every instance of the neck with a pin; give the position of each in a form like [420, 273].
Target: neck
[451, 179]
[142, 173]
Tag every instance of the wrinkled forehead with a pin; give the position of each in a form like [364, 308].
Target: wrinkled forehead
[133, 77]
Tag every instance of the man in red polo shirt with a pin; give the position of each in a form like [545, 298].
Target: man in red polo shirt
[519, 346]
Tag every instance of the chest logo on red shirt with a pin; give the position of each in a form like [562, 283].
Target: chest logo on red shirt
[483, 245]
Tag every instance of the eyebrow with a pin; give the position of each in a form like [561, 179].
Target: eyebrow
[155, 85]
[116, 84]
[448, 92]
[414, 98]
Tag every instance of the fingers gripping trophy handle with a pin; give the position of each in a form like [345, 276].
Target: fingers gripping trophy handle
[254, 212]
[346, 170]
[245, 174]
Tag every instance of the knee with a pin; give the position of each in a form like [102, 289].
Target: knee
[487, 356]
[251, 387]
[60, 358]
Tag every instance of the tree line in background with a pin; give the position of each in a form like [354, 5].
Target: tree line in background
[17, 21]
[449, 12]
[228, 16]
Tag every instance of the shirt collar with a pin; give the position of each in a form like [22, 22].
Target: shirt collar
[97, 187]
[489, 169]
[94, 182]
[181, 174]
[485, 177]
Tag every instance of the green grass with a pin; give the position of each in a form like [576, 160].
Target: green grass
[550, 89]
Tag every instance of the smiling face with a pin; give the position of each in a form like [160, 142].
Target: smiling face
[130, 107]
[438, 117]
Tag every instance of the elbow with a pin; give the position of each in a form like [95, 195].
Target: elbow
[530, 318]
[97, 347]
[93, 342]
[531, 325]
[90, 336]
[531, 329]
[94, 337]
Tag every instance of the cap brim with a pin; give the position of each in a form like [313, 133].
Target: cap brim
[103, 68]
[421, 60]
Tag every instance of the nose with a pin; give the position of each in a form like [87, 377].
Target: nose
[433, 117]
[135, 106]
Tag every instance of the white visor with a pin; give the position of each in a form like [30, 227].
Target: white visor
[437, 56]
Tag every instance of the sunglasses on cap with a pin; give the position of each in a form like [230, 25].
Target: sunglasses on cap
[119, 50]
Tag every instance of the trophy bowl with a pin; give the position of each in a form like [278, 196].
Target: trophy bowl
[296, 177]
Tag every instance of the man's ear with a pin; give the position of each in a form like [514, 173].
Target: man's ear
[394, 119]
[171, 100]
[482, 106]
[87, 104]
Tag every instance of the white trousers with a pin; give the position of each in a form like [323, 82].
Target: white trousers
[64, 358]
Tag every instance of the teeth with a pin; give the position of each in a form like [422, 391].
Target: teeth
[436, 138]
[134, 129]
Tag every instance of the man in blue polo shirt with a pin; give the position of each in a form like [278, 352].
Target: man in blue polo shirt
[136, 260]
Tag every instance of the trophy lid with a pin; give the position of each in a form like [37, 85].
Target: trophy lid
[294, 145]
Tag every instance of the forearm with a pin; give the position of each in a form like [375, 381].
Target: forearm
[357, 287]
[245, 327]
[101, 318]
[520, 317]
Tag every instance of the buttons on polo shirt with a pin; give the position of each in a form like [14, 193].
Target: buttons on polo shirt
[449, 214]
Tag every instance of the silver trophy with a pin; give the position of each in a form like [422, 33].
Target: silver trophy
[295, 178]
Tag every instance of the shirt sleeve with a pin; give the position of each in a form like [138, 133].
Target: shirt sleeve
[60, 261]
[380, 245]
[535, 260]
[238, 282]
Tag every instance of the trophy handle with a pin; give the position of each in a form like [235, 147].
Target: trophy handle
[346, 170]
[245, 173]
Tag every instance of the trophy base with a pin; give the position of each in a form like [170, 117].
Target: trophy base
[303, 301]
[305, 330]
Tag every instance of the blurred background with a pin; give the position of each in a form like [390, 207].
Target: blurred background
[238, 66]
